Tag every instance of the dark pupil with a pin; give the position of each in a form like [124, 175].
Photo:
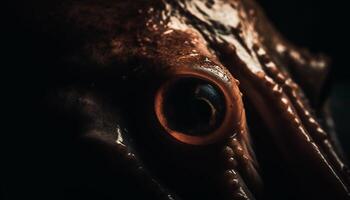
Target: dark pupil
[193, 106]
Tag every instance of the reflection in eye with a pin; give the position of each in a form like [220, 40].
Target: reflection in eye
[191, 109]
[193, 106]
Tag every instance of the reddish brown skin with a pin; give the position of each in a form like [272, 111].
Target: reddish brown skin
[116, 55]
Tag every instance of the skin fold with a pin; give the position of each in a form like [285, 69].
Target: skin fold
[109, 65]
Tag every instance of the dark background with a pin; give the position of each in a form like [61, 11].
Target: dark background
[320, 25]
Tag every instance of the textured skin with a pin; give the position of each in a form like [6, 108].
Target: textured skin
[111, 57]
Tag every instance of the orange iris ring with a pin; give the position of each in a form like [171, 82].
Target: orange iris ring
[232, 120]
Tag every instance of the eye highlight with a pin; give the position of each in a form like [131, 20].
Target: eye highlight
[194, 110]
[193, 106]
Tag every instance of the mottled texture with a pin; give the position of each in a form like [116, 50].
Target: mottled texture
[112, 59]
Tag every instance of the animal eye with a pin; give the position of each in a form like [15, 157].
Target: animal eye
[192, 110]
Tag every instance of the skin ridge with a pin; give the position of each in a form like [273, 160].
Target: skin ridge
[148, 43]
[308, 120]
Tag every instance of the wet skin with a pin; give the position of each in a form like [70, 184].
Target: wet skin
[131, 78]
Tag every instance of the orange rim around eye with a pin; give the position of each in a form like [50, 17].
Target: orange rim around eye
[232, 120]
